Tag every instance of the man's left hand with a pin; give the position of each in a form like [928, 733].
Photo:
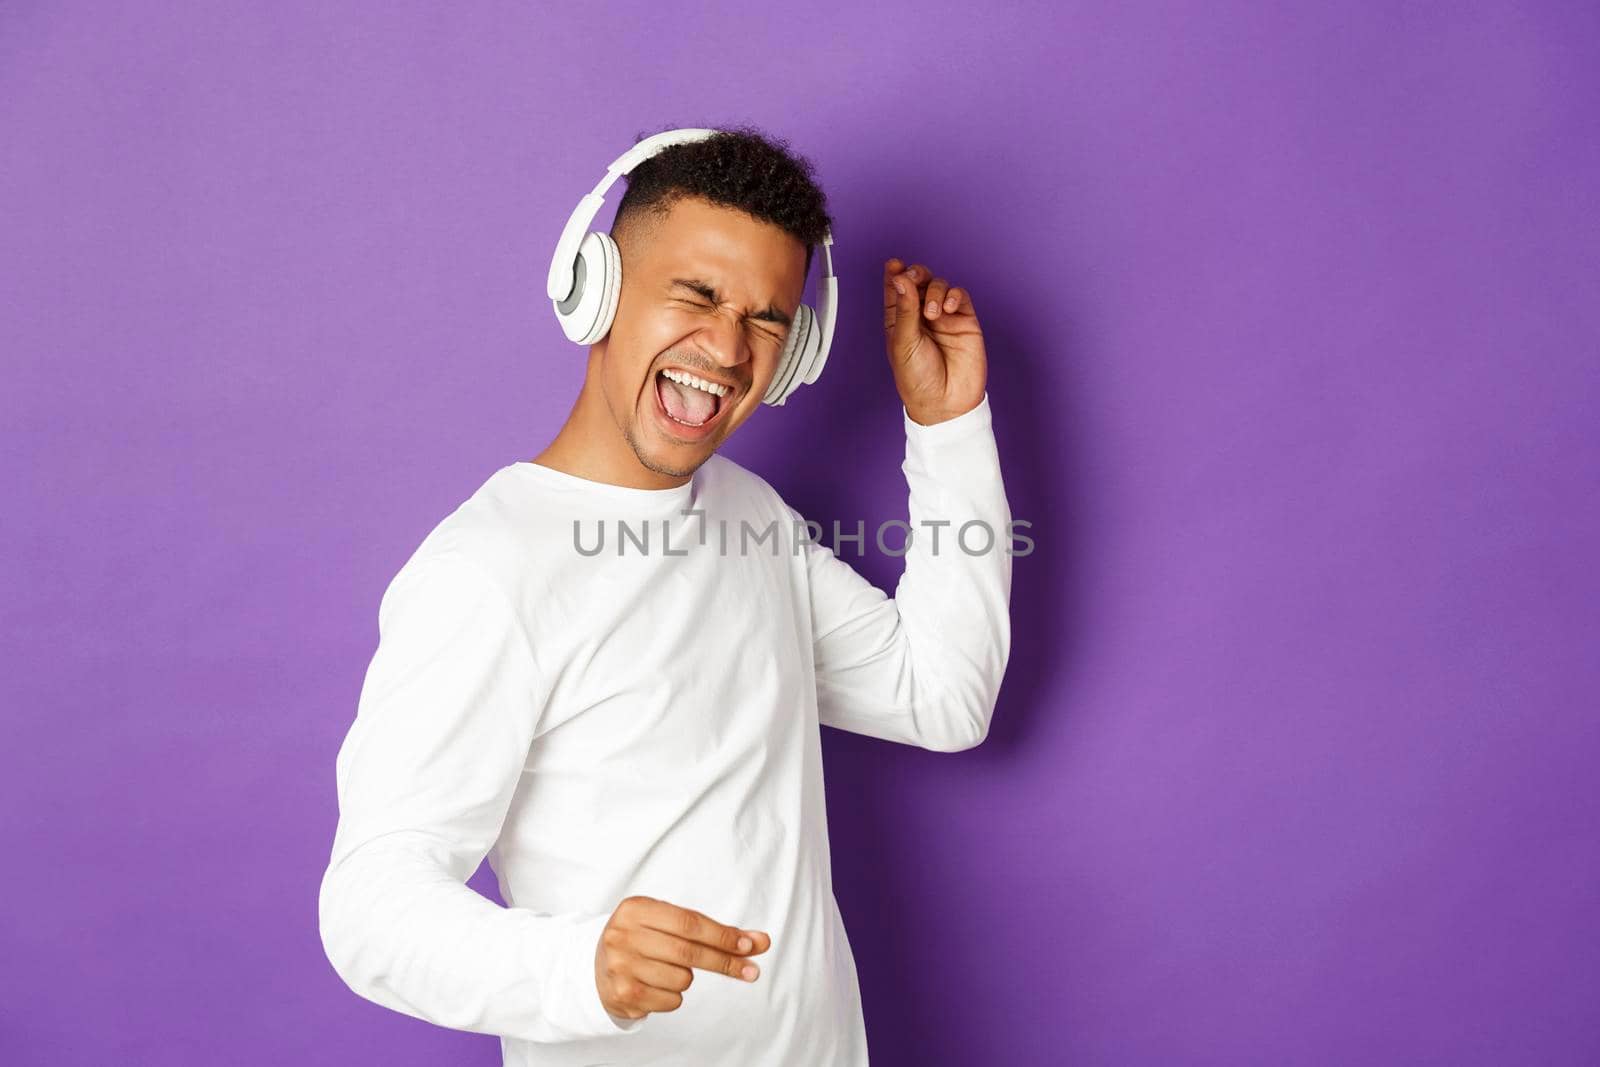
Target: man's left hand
[934, 343]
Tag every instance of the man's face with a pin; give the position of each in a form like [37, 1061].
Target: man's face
[707, 291]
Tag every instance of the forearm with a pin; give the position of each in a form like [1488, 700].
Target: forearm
[924, 668]
[402, 931]
[955, 592]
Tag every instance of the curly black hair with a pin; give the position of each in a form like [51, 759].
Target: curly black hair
[739, 167]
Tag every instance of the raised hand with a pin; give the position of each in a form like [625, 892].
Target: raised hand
[643, 960]
[934, 343]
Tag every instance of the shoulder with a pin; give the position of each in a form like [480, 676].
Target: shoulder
[501, 535]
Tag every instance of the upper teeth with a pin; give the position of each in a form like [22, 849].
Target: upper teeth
[684, 378]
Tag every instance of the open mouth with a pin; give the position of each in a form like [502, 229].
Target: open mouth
[691, 404]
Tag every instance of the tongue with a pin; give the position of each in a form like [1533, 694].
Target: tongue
[686, 403]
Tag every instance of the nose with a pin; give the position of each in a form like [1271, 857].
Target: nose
[723, 339]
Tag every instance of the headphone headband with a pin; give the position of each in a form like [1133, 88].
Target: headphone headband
[559, 282]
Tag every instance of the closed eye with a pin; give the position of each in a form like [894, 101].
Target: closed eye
[771, 335]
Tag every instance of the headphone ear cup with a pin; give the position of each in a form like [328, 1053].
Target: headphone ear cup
[799, 351]
[587, 312]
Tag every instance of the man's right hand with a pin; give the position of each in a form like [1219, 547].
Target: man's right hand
[643, 960]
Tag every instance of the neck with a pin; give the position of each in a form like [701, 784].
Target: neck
[590, 443]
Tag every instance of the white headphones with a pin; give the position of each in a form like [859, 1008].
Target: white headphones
[586, 275]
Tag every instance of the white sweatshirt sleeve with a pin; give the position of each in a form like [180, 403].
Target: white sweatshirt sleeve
[447, 712]
[924, 668]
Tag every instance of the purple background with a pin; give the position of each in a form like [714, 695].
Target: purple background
[1293, 325]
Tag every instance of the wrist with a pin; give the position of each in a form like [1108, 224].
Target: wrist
[926, 415]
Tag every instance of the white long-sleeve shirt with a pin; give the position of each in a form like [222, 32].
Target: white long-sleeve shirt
[644, 720]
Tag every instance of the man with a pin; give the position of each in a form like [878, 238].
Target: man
[630, 734]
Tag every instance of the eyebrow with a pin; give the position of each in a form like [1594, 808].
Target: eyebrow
[768, 313]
